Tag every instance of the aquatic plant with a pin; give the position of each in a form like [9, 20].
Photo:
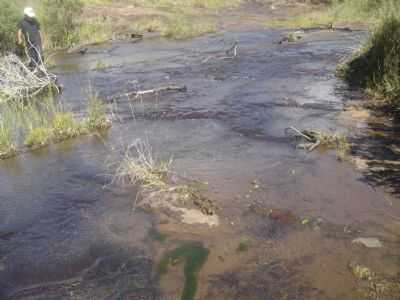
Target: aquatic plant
[66, 126]
[96, 113]
[140, 166]
[7, 146]
[38, 136]
[194, 255]
[156, 235]
[39, 123]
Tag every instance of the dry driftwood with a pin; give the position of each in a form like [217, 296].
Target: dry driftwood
[134, 95]
[18, 81]
[313, 142]
[326, 27]
[231, 53]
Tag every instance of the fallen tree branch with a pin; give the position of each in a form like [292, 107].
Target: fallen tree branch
[326, 27]
[18, 81]
[299, 133]
[138, 94]
[231, 53]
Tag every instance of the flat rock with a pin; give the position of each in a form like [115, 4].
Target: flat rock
[368, 242]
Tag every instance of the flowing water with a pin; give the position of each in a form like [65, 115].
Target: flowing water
[67, 233]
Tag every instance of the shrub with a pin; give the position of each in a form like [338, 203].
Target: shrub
[9, 18]
[61, 19]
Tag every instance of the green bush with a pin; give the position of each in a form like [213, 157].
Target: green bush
[9, 18]
[377, 67]
[61, 19]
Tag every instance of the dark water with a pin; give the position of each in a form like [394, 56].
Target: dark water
[66, 234]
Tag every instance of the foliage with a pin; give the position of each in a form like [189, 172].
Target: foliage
[38, 136]
[96, 114]
[341, 11]
[9, 18]
[183, 28]
[6, 138]
[377, 67]
[38, 123]
[140, 166]
[61, 19]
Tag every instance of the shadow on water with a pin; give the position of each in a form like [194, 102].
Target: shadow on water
[379, 147]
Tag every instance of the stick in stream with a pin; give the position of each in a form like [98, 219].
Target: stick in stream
[137, 94]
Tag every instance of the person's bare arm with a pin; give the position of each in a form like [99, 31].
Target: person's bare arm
[20, 37]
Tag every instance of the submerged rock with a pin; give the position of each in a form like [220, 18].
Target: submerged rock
[368, 242]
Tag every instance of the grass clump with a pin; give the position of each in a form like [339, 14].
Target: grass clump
[376, 68]
[367, 12]
[139, 166]
[96, 113]
[36, 124]
[66, 126]
[183, 28]
[38, 136]
[7, 146]
[194, 255]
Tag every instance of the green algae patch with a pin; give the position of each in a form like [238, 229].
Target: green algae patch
[156, 235]
[194, 255]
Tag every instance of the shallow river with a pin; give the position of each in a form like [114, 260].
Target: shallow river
[67, 233]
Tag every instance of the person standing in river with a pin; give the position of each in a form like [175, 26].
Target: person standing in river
[29, 32]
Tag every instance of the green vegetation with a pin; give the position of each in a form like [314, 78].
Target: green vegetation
[60, 19]
[194, 255]
[376, 68]
[7, 146]
[40, 123]
[156, 235]
[9, 18]
[183, 28]
[243, 246]
[139, 166]
[367, 12]
[96, 113]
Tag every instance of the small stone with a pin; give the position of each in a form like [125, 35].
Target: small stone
[368, 242]
[305, 221]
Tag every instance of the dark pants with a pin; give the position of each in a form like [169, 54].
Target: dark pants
[35, 56]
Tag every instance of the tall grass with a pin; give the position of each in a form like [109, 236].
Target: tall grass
[368, 12]
[376, 68]
[140, 166]
[39, 123]
[7, 143]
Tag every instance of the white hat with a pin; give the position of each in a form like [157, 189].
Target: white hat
[28, 11]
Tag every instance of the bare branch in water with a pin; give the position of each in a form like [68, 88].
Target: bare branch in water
[18, 81]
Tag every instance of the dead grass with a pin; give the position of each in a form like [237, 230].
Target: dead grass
[140, 166]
